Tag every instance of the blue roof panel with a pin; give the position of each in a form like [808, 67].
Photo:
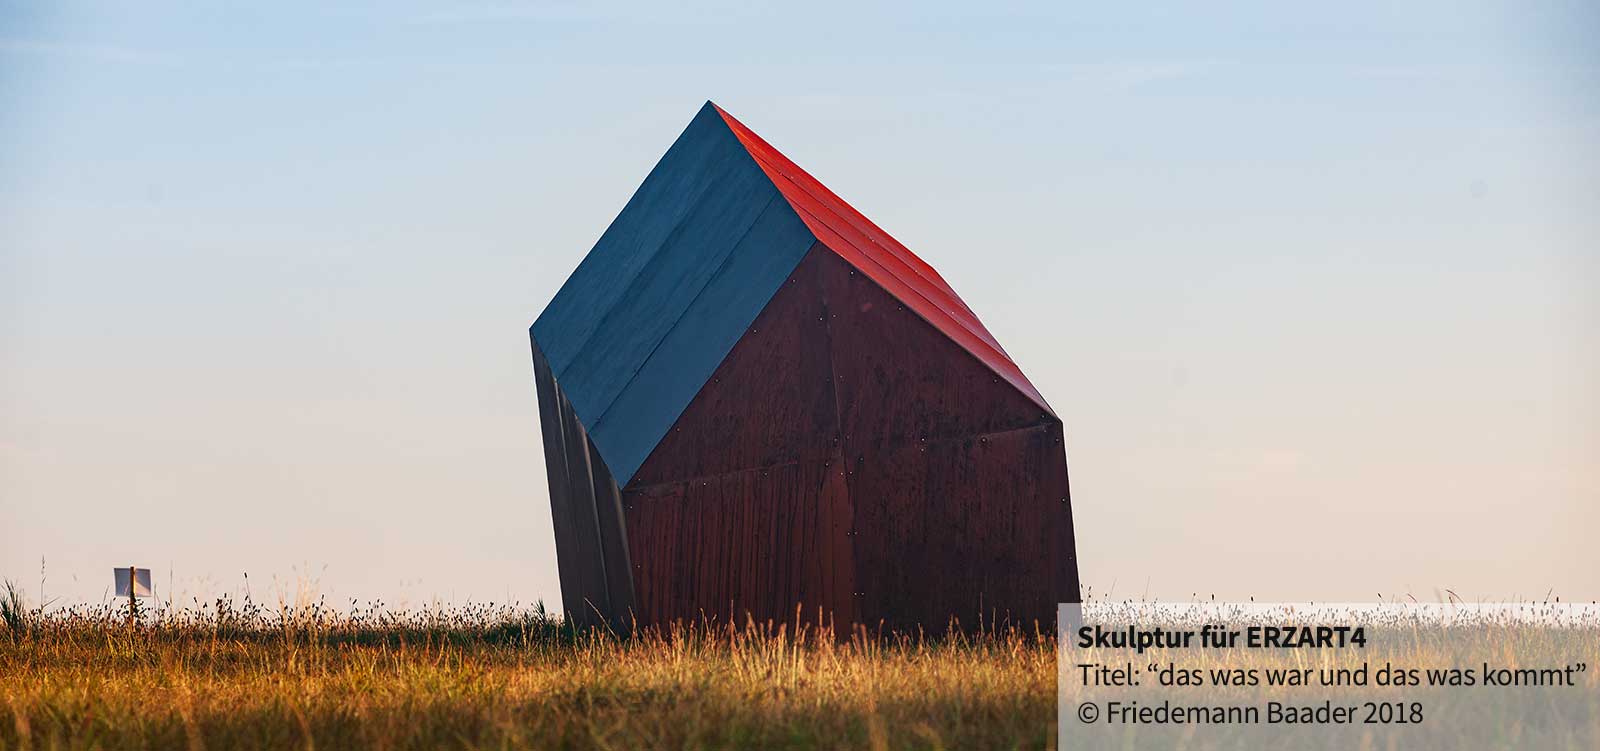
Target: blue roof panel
[661, 291]
[676, 279]
[704, 156]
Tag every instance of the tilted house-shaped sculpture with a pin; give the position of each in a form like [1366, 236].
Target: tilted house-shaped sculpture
[756, 403]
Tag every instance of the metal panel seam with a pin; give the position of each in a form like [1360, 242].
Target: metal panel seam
[665, 242]
[840, 444]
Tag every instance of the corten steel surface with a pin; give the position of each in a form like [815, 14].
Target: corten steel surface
[754, 401]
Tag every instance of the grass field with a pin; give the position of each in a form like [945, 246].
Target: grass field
[222, 676]
[225, 677]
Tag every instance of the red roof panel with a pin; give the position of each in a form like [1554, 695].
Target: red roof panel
[883, 259]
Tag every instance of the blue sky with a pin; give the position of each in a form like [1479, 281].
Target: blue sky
[1308, 286]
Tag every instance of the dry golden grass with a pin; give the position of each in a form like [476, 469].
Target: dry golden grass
[225, 678]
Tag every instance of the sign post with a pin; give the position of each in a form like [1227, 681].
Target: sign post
[135, 583]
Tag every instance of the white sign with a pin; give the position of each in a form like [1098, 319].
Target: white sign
[141, 582]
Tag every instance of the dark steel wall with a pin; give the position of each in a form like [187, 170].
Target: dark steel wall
[585, 509]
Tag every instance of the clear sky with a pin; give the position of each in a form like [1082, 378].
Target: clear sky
[1314, 291]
